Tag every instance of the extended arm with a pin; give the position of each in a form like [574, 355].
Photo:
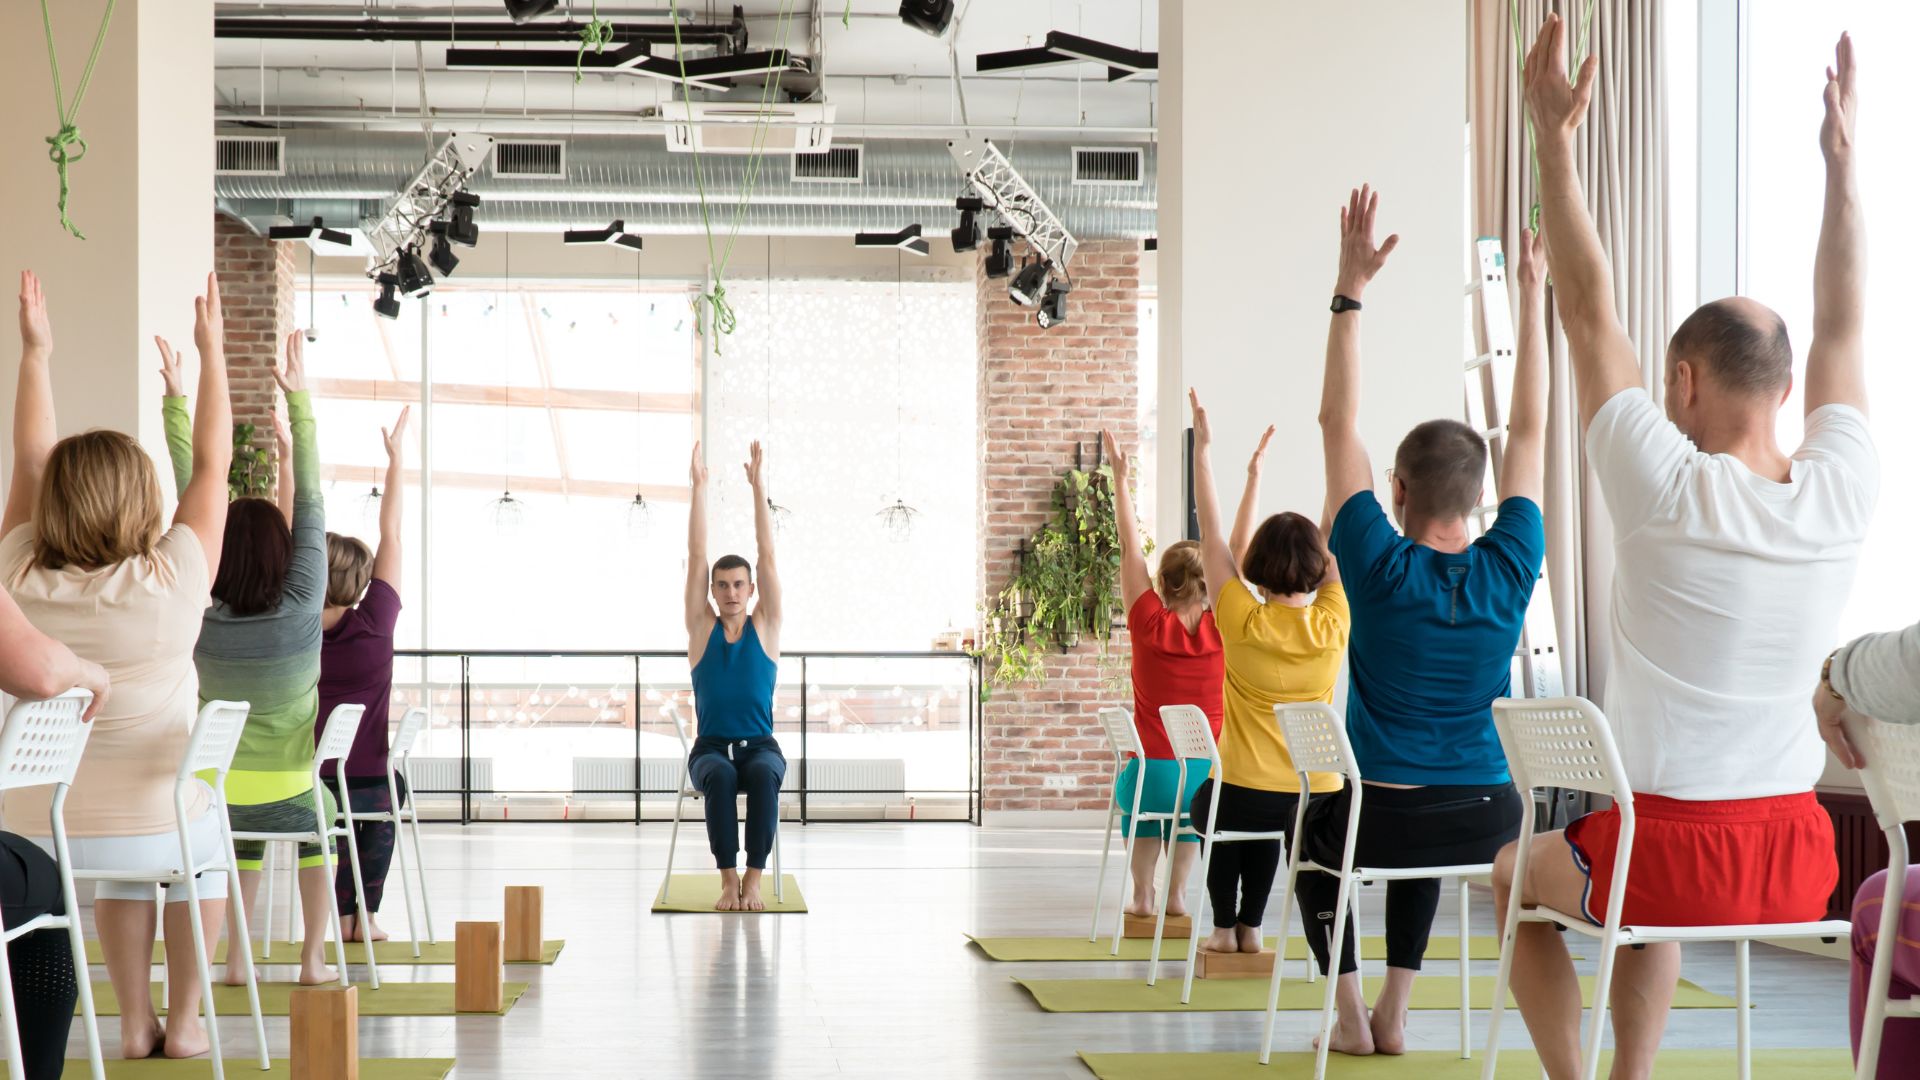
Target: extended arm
[1604, 362]
[173, 416]
[1243, 518]
[1348, 470]
[699, 612]
[307, 575]
[1215, 556]
[1836, 364]
[1523, 468]
[387, 559]
[286, 483]
[1134, 579]
[767, 611]
[203, 505]
[33, 420]
[1879, 675]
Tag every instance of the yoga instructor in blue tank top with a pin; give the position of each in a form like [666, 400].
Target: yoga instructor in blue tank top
[735, 658]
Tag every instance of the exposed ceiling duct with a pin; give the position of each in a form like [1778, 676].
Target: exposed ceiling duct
[641, 183]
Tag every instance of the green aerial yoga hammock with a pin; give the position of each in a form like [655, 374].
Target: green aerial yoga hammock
[595, 35]
[65, 147]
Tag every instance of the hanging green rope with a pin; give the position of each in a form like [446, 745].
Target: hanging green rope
[66, 147]
[1580, 47]
[596, 35]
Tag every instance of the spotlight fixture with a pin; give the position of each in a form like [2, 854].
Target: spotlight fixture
[1028, 284]
[460, 227]
[1053, 305]
[966, 236]
[316, 231]
[523, 11]
[927, 16]
[412, 274]
[615, 234]
[387, 305]
[1000, 256]
[907, 239]
[442, 256]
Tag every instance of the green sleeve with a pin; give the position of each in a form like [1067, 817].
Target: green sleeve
[179, 427]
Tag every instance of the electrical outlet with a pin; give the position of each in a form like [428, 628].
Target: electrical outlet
[1059, 783]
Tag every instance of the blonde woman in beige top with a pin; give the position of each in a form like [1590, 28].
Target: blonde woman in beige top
[84, 556]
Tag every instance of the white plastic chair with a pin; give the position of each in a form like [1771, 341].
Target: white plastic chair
[1317, 741]
[405, 821]
[40, 744]
[688, 791]
[1566, 743]
[1124, 740]
[1892, 780]
[335, 741]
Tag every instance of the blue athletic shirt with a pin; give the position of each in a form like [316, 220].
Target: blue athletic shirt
[1433, 641]
[733, 686]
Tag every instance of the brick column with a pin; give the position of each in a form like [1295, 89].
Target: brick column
[256, 289]
[1042, 392]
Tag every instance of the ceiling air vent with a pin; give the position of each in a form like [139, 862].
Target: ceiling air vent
[1108, 166]
[249, 155]
[836, 165]
[523, 159]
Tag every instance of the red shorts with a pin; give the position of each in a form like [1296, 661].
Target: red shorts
[1712, 863]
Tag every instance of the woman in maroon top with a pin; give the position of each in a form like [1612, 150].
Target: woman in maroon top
[1177, 660]
[356, 668]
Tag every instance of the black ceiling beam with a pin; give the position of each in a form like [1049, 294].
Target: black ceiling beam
[732, 36]
[1099, 52]
[1020, 59]
[517, 59]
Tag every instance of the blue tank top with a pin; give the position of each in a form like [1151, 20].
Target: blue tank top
[733, 686]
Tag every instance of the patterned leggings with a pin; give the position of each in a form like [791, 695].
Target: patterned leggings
[375, 840]
[1900, 1042]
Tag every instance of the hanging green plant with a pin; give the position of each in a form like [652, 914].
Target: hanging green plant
[252, 471]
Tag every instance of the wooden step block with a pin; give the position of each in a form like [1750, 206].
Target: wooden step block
[524, 904]
[479, 968]
[1208, 964]
[325, 1040]
[1141, 926]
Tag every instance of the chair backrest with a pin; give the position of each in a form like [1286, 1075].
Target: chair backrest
[41, 741]
[679, 728]
[1122, 739]
[1316, 740]
[1561, 742]
[1892, 775]
[216, 735]
[337, 739]
[412, 723]
[1189, 733]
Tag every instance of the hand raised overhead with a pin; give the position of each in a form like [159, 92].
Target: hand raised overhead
[756, 469]
[171, 375]
[1259, 459]
[291, 370]
[1836, 130]
[697, 469]
[1202, 431]
[36, 330]
[209, 321]
[395, 437]
[1557, 103]
[1359, 258]
[1116, 457]
[1530, 271]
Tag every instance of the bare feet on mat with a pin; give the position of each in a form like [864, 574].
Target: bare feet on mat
[317, 975]
[729, 891]
[1389, 1028]
[186, 1038]
[1246, 938]
[234, 976]
[1350, 1036]
[135, 1044]
[750, 891]
[1143, 909]
[1222, 940]
[350, 925]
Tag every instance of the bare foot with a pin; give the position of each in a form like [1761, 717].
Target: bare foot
[352, 929]
[1176, 905]
[136, 1044]
[317, 974]
[234, 976]
[1389, 1031]
[1247, 938]
[1350, 1037]
[1142, 906]
[186, 1038]
[750, 891]
[729, 891]
[1222, 940]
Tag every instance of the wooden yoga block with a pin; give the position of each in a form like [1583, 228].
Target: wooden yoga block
[1208, 964]
[1141, 926]
[479, 969]
[325, 1040]
[523, 924]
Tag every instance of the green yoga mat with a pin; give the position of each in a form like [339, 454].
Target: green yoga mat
[392, 999]
[248, 1065]
[1250, 995]
[1441, 1065]
[397, 953]
[1079, 948]
[695, 894]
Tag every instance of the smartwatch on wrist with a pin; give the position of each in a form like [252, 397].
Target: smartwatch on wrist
[1342, 303]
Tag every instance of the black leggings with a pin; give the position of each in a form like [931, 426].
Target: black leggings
[374, 839]
[1240, 874]
[44, 988]
[723, 768]
[1424, 826]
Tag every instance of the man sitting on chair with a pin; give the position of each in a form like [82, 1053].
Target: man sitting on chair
[735, 657]
[1733, 561]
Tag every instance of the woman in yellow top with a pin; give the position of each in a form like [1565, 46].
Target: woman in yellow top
[1283, 619]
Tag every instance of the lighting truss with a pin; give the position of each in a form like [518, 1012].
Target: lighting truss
[988, 172]
[409, 218]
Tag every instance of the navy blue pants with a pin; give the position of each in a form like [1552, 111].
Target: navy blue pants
[721, 769]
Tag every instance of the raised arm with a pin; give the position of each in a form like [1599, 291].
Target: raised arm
[173, 416]
[1215, 556]
[1134, 578]
[1523, 468]
[1836, 365]
[1348, 470]
[33, 665]
[33, 420]
[1243, 518]
[767, 611]
[699, 611]
[286, 484]
[1604, 362]
[203, 504]
[307, 574]
[387, 559]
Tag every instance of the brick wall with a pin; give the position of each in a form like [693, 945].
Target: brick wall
[1041, 393]
[256, 289]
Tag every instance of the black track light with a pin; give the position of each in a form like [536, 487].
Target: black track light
[928, 16]
[521, 11]
[442, 256]
[387, 305]
[412, 273]
[966, 235]
[460, 227]
[1053, 306]
[316, 231]
[615, 234]
[1000, 256]
[1028, 284]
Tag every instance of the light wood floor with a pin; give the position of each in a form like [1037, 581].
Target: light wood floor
[877, 981]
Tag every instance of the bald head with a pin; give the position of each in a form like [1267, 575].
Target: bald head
[1738, 345]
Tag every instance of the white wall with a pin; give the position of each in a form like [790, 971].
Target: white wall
[1270, 114]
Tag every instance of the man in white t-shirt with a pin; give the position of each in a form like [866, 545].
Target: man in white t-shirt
[1732, 562]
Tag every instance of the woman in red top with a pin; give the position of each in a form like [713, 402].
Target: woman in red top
[1177, 660]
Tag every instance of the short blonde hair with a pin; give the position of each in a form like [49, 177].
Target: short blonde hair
[1182, 578]
[349, 570]
[99, 503]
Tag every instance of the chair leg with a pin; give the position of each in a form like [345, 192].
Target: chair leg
[200, 954]
[239, 934]
[419, 864]
[1199, 917]
[1160, 905]
[779, 878]
[1100, 883]
[1334, 948]
[333, 909]
[1743, 975]
[293, 890]
[1602, 986]
[266, 919]
[673, 840]
[1287, 901]
[359, 891]
[1466, 977]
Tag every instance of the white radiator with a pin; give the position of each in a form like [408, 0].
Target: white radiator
[443, 773]
[863, 781]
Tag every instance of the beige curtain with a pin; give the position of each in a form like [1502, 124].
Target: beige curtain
[1623, 169]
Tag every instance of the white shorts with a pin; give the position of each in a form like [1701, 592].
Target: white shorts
[153, 851]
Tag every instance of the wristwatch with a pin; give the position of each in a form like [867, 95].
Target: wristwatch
[1826, 676]
[1343, 303]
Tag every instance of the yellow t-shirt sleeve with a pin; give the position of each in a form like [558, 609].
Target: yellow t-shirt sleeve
[1332, 616]
[1234, 611]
